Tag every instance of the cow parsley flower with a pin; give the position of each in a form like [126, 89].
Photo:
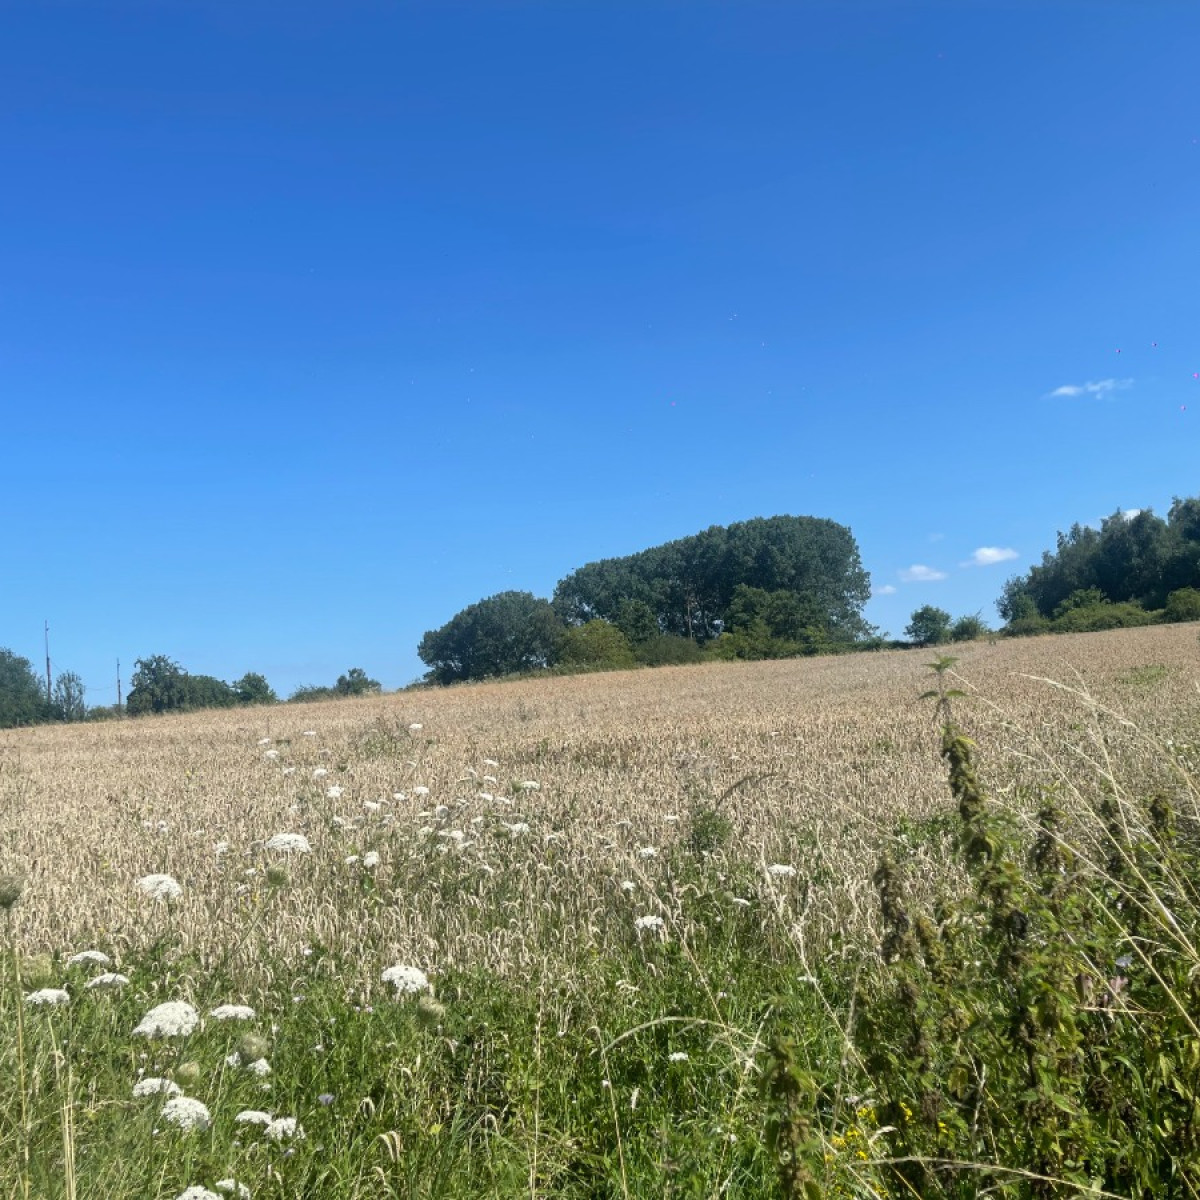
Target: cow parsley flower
[371, 859]
[49, 997]
[677, 1056]
[110, 979]
[516, 828]
[189, 1114]
[319, 772]
[159, 887]
[648, 852]
[416, 727]
[781, 870]
[333, 793]
[289, 843]
[231, 1187]
[420, 790]
[651, 921]
[530, 785]
[152, 1085]
[284, 1129]
[91, 958]
[253, 1116]
[406, 980]
[232, 1012]
[196, 1192]
[175, 1018]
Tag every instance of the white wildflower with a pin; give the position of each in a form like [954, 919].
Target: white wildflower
[516, 828]
[289, 770]
[221, 848]
[677, 1056]
[399, 797]
[187, 1113]
[309, 733]
[259, 1067]
[271, 754]
[406, 980]
[781, 870]
[530, 785]
[110, 979]
[651, 921]
[371, 859]
[333, 793]
[648, 852]
[159, 887]
[284, 1129]
[91, 958]
[490, 762]
[175, 1018]
[232, 1012]
[486, 797]
[420, 790]
[416, 727]
[289, 843]
[153, 1086]
[253, 1116]
[319, 772]
[371, 806]
[196, 1192]
[48, 996]
[627, 885]
[739, 901]
[264, 741]
[231, 1187]
[350, 859]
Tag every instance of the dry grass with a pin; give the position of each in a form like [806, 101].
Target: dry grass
[814, 758]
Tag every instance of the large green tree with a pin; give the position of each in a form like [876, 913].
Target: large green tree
[504, 634]
[161, 685]
[22, 693]
[686, 587]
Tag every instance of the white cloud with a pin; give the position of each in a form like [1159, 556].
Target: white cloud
[986, 556]
[886, 590]
[1130, 513]
[1099, 387]
[918, 573]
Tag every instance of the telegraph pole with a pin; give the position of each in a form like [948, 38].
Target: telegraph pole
[118, 683]
[47, 662]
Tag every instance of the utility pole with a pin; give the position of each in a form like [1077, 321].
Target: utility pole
[47, 662]
[118, 683]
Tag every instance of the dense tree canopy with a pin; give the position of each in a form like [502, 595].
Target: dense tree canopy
[22, 693]
[1133, 558]
[502, 635]
[687, 587]
[160, 685]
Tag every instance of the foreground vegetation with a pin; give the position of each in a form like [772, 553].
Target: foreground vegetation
[707, 930]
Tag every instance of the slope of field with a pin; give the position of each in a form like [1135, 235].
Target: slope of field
[808, 759]
[578, 937]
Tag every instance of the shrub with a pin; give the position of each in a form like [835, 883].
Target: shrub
[1183, 605]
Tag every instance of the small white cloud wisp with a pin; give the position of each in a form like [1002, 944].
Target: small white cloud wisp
[987, 556]
[1097, 387]
[919, 573]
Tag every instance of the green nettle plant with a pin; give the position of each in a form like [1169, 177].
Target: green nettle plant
[1038, 1036]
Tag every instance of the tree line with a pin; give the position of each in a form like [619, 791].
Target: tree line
[159, 685]
[770, 587]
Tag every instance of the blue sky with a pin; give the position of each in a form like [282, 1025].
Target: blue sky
[320, 322]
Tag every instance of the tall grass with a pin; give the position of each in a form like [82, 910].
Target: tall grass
[656, 972]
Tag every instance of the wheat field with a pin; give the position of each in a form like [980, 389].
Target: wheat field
[516, 938]
[811, 757]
